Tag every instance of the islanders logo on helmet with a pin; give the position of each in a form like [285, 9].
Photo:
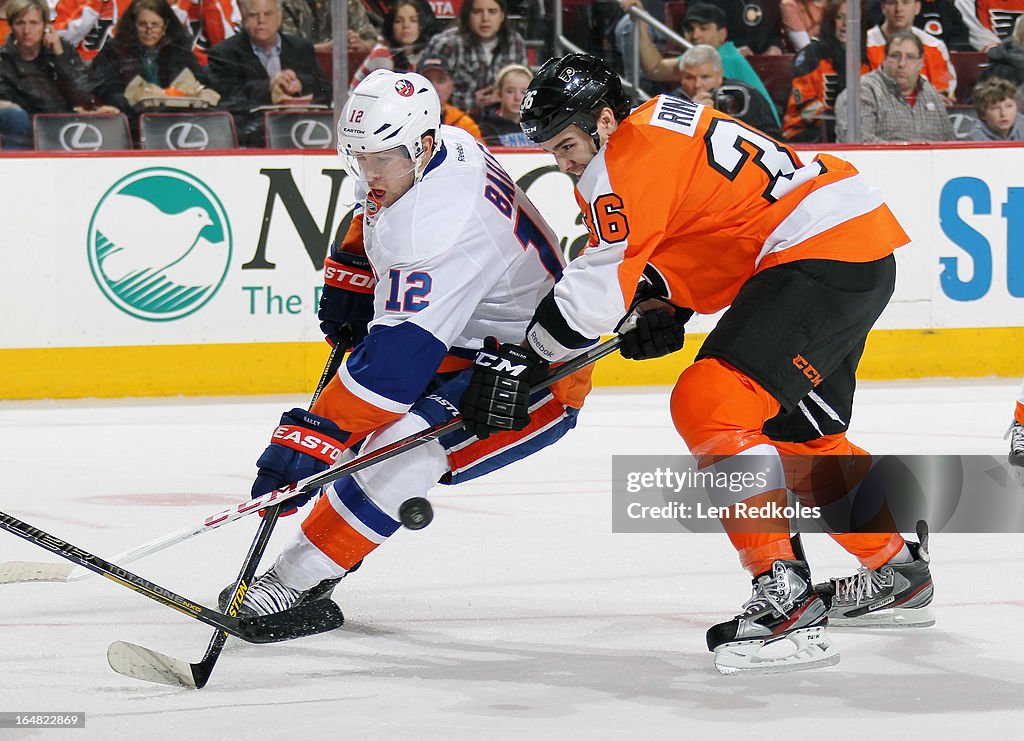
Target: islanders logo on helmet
[405, 88]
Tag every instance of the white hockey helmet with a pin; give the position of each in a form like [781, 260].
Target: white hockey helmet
[388, 110]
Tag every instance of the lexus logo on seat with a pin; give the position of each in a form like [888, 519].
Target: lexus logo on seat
[187, 135]
[80, 137]
[311, 135]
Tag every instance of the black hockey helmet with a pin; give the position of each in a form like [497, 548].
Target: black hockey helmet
[566, 91]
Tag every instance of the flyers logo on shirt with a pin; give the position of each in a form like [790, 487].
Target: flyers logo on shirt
[404, 88]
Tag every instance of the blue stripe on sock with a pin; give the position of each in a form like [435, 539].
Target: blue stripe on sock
[355, 499]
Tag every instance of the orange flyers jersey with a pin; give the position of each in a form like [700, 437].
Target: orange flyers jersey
[707, 201]
[87, 24]
[937, 68]
[812, 99]
[209, 22]
[998, 16]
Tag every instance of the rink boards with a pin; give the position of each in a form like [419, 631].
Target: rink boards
[166, 275]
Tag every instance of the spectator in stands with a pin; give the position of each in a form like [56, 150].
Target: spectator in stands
[479, 46]
[260, 66]
[704, 82]
[702, 24]
[937, 65]
[38, 73]
[989, 21]
[208, 22]
[500, 126]
[148, 42]
[406, 31]
[754, 25]
[87, 25]
[941, 18]
[5, 28]
[311, 19]
[437, 71]
[998, 117]
[1006, 59]
[624, 28]
[801, 20]
[896, 102]
[819, 75]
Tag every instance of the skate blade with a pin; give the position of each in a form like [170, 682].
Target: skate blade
[808, 648]
[898, 617]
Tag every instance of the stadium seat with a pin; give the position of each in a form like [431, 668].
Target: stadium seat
[776, 72]
[74, 132]
[300, 129]
[962, 117]
[188, 131]
[968, 65]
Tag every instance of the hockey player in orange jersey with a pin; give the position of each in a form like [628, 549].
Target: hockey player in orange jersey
[716, 215]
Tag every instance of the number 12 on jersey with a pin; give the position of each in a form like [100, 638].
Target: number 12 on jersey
[417, 284]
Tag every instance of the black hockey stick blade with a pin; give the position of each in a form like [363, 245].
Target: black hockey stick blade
[148, 665]
[268, 629]
[152, 666]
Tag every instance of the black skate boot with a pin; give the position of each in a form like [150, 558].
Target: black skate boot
[897, 595]
[323, 590]
[1016, 436]
[781, 628]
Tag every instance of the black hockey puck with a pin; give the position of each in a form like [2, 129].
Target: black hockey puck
[416, 513]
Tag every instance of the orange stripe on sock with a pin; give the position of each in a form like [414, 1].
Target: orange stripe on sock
[338, 540]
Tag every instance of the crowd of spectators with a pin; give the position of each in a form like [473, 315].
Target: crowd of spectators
[247, 57]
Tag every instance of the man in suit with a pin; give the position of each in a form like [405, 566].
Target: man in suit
[261, 66]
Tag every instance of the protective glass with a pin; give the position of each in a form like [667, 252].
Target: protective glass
[391, 164]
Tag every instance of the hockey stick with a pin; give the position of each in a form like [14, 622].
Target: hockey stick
[269, 629]
[16, 572]
[148, 665]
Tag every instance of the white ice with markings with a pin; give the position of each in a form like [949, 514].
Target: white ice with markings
[516, 614]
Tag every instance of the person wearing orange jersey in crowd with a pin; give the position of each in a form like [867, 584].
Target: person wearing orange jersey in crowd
[937, 67]
[209, 22]
[990, 21]
[87, 24]
[719, 215]
[819, 75]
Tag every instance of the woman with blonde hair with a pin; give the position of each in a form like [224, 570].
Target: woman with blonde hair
[38, 73]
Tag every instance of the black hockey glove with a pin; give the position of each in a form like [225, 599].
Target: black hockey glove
[659, 331]
[346, 304]
[498, 396]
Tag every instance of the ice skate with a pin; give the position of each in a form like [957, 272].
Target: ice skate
[781, 628]
[268, 594]
[323, 590]
[898, 595]
[1016, 437]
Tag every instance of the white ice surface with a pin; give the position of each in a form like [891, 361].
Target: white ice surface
[516, 614]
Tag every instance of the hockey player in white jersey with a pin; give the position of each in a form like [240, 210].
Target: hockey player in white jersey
[455, 255]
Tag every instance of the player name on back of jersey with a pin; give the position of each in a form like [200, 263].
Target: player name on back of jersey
[677, 114]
